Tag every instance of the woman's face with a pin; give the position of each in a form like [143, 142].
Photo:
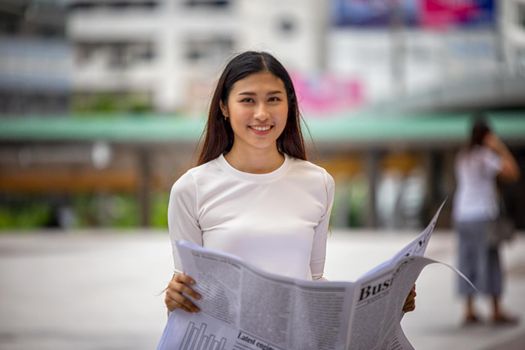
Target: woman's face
[257, 109]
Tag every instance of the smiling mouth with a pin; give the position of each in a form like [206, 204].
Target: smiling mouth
[261, 128]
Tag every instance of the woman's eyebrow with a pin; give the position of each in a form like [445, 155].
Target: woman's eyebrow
[249, 93]
[268, 93]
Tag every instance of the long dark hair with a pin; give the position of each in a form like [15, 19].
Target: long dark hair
[218, 133]
[480, 129]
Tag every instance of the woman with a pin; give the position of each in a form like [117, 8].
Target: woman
[475, 208]
[253, 193]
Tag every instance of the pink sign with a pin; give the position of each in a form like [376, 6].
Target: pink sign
[443, 13]
[327, 94]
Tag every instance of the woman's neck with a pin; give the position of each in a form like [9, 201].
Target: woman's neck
[256, 161]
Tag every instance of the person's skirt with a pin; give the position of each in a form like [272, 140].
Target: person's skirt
[477, 259]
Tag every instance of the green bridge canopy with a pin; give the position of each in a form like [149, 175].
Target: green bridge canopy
[352, 128]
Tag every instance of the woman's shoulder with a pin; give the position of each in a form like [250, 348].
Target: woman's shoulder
[310, 170]
[191, 176]
[307, 165]
[477, 153]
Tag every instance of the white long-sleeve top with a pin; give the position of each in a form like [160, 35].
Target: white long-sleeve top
[276, 221]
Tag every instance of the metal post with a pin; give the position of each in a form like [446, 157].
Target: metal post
[144, 171]
[397, 50]
[372, 170]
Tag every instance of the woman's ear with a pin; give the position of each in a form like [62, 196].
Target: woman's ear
[224, 110]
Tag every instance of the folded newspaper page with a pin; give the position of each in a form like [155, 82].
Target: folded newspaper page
[245, 308]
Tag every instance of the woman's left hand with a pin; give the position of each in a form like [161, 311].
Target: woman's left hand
[410, 301]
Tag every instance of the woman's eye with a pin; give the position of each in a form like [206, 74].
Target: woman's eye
[247, 100]
[274, 99]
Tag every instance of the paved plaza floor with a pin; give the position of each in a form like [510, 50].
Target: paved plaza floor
[103, 290]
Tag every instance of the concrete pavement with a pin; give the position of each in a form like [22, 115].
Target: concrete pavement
[103, 290]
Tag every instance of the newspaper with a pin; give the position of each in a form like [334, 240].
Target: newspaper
[245, 308]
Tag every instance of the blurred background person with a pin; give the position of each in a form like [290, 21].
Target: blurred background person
[477, 167]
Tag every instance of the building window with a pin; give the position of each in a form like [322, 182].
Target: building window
[124, 5]
[82, 6]
[121, 5]
[210, 49]
[208, 3]
[115, 55]
[521, 14]
[520, 61]
[286, 26]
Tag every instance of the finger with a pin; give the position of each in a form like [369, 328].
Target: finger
[409, 308]
[181, 288]
[187, 281]
[173, 305]
[170, 303]
[176, 300]
[183, 278]
[412, 294]
[187, 303]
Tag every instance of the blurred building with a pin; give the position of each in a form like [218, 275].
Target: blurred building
[164, 56]
[426, 57]
[431, 54]
[387, 88]
[35, 58]
[167, 54]
[512, 26]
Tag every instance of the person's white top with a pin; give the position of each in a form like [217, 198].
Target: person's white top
[476, 196]
[276, 221]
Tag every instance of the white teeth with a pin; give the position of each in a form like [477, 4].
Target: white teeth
[261, 128]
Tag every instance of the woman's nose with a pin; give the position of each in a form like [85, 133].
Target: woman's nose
[262, 112]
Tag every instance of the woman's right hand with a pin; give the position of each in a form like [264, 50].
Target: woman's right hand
[493, 142]
[510, 171]
[178, 291]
